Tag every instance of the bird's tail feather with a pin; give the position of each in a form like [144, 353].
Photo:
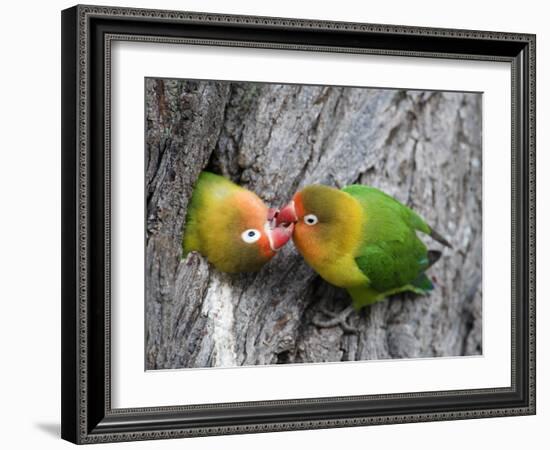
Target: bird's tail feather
[423, 283]
[435, 235]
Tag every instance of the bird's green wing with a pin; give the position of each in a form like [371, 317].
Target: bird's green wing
[391, 254]
[393, 264]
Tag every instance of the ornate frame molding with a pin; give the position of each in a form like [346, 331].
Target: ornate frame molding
[80, 417]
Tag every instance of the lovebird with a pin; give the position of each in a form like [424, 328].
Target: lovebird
[231, 226]
[363, 240]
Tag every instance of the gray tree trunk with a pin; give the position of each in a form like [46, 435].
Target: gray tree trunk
[422, 147]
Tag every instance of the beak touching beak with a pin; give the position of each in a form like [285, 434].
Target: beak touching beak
[280, 235]
[287, 215]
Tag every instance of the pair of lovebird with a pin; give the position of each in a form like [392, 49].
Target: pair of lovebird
[357, 238]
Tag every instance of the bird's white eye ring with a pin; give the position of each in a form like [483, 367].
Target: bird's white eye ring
[311, 219]
[250, 236]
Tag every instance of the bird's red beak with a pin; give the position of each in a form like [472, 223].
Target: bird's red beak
[272, 214]
[280, 235]
[287, 215]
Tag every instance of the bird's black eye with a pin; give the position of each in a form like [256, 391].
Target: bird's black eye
[311, 219]
[250, 236]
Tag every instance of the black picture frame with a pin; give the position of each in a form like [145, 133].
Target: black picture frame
[87, 32]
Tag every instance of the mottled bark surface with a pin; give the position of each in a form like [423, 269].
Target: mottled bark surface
[422, 147]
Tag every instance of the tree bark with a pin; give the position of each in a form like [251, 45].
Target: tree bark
[422, 147]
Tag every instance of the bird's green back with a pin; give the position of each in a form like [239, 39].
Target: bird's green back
[384, 209]
[209, 190]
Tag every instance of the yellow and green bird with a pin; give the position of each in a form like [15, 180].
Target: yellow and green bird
[231, 226]
[361, 239]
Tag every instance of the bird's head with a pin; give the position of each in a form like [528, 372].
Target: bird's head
[247, 233]
[323, 217]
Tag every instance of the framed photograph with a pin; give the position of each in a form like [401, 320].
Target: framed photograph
[279, 224]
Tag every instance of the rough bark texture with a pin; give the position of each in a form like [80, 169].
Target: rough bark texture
[422, 147]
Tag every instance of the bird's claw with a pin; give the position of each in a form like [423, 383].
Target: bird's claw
[336, 319]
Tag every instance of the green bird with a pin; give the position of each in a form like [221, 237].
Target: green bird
[363, 240]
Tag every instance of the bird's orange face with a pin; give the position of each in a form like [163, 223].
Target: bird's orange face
[322, 217]
[256, 226]
[248, 233]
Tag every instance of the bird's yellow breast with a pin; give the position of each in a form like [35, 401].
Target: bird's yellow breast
[330, 246]
[342, 272]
